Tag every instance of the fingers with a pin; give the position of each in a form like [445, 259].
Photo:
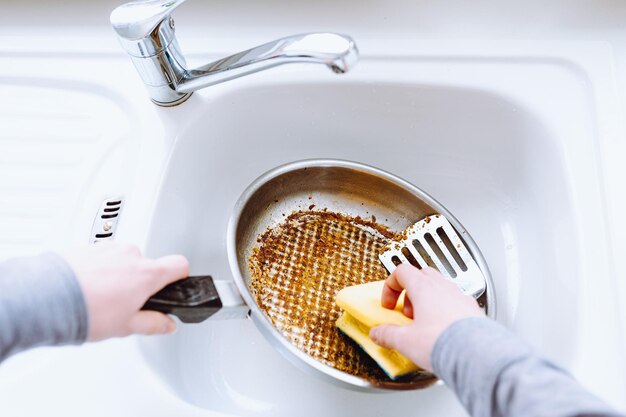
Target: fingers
[165, 270]
[403, 277]
[390, 336]
[150, 323]
[173, 268]
[408, 307]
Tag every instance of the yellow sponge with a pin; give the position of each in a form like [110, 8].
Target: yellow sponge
[364, 311]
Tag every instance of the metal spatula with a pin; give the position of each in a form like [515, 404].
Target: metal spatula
[433, 242]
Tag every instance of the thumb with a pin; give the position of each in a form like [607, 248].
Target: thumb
[390, 336]
[151, 322]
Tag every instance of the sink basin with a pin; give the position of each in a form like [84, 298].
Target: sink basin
[514, 160]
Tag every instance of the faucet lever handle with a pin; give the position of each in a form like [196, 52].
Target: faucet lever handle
[137, 19]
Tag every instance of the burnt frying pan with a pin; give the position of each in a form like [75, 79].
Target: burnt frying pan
[339, 186]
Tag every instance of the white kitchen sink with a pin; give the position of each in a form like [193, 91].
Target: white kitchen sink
[510, 146]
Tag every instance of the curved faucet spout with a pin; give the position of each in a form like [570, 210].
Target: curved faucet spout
[146, 31]
[338, 52]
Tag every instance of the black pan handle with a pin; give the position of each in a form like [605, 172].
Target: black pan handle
[192, 299]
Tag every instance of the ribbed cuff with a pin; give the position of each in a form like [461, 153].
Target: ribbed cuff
[76, 330]
[470, 354]
[41, 303]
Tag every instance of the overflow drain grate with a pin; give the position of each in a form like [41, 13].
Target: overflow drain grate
[106, 220]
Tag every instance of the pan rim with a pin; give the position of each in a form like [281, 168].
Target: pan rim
[263, 323]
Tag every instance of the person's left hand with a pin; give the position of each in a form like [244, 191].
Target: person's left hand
[116, 281]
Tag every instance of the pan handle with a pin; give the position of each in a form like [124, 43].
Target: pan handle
[193, 300]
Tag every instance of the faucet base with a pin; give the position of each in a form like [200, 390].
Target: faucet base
[183, 97]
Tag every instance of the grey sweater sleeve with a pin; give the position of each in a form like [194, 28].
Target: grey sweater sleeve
[41, 303]
[495, 374]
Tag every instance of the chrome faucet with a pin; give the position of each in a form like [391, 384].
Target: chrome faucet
[146, 32]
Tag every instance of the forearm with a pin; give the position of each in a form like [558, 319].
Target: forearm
[496, 374]
[41, 303]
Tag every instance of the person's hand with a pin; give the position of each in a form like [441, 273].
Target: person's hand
[432, 301]
[116, 281]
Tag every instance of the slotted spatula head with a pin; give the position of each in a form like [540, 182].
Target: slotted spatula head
[433, 242]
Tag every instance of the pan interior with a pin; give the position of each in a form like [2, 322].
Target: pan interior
[306, 234]
[346, 190]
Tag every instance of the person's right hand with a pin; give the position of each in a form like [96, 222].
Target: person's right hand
[116, 281]
[432, 301]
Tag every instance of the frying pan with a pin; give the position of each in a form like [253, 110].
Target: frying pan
[340, 186]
